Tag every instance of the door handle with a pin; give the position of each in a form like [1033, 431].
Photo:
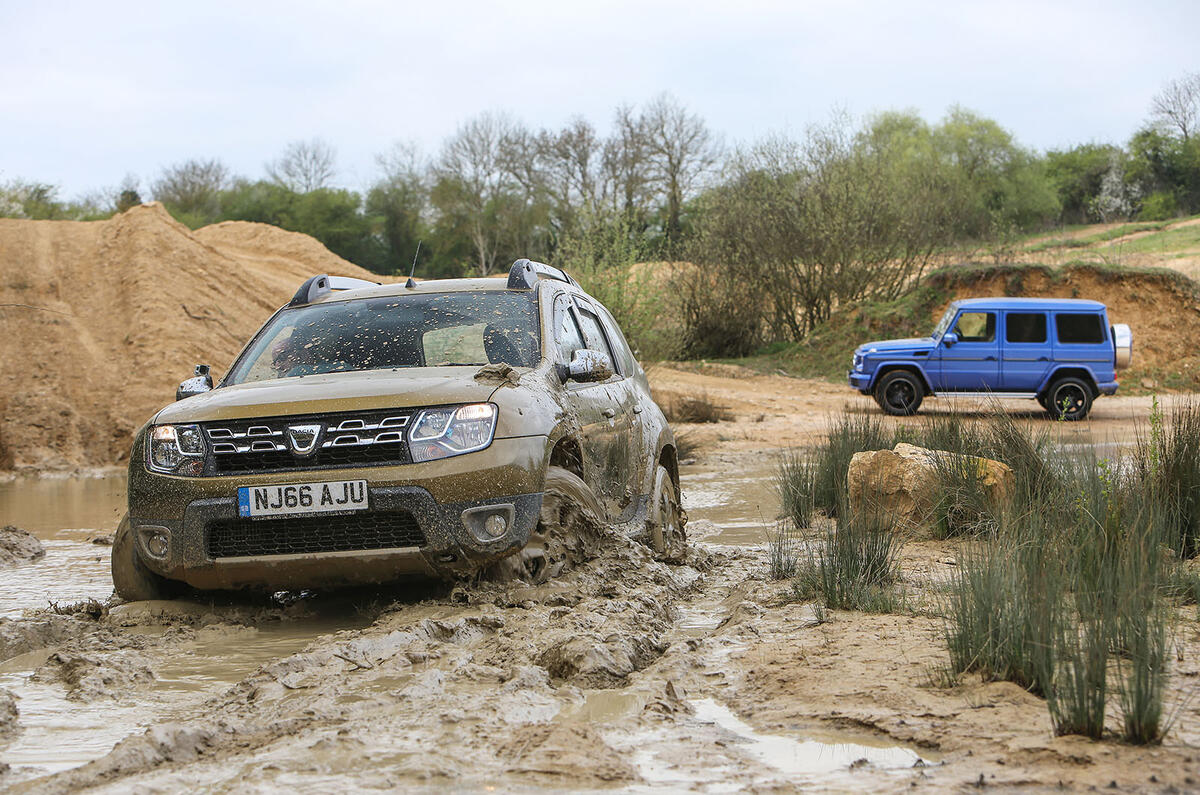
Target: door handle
[989, 358]
[1043, 358]
[608, 413]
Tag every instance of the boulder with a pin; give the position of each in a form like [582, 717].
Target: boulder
[18, 546]
[904, 483]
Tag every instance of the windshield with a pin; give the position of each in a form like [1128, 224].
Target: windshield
[399, 331]
[944, 323]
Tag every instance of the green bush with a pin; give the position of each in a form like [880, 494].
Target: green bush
[1159, 206]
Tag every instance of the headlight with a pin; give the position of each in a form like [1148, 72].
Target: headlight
[858, 362]
[176, 449]
[453, 430]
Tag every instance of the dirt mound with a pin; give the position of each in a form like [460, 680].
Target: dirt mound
[18, 546]
[100, 320]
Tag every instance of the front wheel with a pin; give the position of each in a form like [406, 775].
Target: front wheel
[569, 528]
[666, 520]
[899, 393]
[1069, 399]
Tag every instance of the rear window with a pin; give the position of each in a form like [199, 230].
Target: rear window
[1079, 329]
[1025, 327]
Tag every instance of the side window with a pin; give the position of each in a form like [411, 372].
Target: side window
[566, 333]
[625, 361]
[1025, 327]
[976, 327]
[592, 333]
[1077, 329]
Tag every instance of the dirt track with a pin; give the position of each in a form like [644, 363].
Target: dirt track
[626, 673]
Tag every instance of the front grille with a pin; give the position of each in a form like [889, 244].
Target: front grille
[345, 439]
[228, 538]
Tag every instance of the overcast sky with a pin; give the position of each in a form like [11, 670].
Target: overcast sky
[92, 91]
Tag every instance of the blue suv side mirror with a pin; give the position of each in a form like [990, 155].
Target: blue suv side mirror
[949, 338]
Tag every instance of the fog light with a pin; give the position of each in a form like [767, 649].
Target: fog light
[155, 540]
[495, 525]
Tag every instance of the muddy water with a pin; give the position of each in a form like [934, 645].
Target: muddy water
[740, 500]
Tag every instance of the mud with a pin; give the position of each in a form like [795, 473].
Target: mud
[626, 672]
[18, 546]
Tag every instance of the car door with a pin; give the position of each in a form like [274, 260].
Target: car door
[972, 364]
[615, 447]
[1081, 338]
[1026, 351]
[592, 406]
[632, 399]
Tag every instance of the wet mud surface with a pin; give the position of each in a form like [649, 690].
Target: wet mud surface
[625, 673]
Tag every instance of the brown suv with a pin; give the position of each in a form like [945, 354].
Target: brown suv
[371, 432]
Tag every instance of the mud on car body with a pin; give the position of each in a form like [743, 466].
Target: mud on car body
[1061, 352]
[368, 432]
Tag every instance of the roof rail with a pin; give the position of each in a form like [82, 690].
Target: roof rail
[320, 286]
[525, 273]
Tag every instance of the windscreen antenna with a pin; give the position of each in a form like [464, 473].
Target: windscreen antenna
[410, 283]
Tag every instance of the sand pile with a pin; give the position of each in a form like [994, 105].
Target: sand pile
[99, 321]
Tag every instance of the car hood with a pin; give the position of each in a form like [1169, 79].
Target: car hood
[896, 346]
[357, 391]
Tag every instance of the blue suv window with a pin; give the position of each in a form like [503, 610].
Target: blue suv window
[976, 327]
[1025, 327]
[1079, 329]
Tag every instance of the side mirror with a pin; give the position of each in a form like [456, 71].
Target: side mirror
[589, 365]
[198, 384]
[949, 339]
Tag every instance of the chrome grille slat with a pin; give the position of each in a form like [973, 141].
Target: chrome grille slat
[348, 439]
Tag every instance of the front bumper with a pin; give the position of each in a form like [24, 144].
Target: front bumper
[860, 381]
[447, 499]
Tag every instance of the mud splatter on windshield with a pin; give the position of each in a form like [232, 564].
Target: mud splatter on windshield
[442, 329]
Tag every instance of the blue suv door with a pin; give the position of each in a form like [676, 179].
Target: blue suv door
[1027, 351]
[973, 363]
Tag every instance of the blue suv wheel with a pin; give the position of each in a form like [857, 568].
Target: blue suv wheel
[899, 393]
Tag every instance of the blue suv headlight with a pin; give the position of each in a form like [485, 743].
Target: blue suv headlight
[858, 362]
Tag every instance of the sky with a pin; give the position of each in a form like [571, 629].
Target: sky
[92, 92]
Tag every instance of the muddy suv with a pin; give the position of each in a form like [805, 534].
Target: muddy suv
[371, 432]
[1061, 352]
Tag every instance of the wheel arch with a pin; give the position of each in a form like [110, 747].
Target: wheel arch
[567, 452]
[1071, 371]
[912, 367]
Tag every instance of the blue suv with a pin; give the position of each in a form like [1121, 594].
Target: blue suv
[1061, 352]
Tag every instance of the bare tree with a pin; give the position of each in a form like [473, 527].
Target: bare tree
[305, 166]
[682, 150]
[193, 187]
[626, 164]
[1177, 105]
[473, 180]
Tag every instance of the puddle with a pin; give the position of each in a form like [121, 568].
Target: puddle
[70, 571]
[58, 734]
[603, 706]
[64, 507]
[806, 757]
[743, 504]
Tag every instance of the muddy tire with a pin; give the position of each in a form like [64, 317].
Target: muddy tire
[666, 522]
[899, 393]
[1069, 399]
[132, 579]
[567, 532]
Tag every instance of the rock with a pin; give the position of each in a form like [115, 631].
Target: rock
[18, 546]
[903, 483]
[8, 714]
[1149, 383]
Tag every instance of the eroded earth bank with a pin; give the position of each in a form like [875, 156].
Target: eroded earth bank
[626, 673]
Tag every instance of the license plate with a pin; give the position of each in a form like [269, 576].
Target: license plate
[302, 498]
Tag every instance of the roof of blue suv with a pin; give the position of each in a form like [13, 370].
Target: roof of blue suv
[1028, 303]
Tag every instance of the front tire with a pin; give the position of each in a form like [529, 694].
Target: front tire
[568, 530]
[134, 582]
[1069, 399]
[899, 393]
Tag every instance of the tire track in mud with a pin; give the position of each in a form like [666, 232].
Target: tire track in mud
[461, 688]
